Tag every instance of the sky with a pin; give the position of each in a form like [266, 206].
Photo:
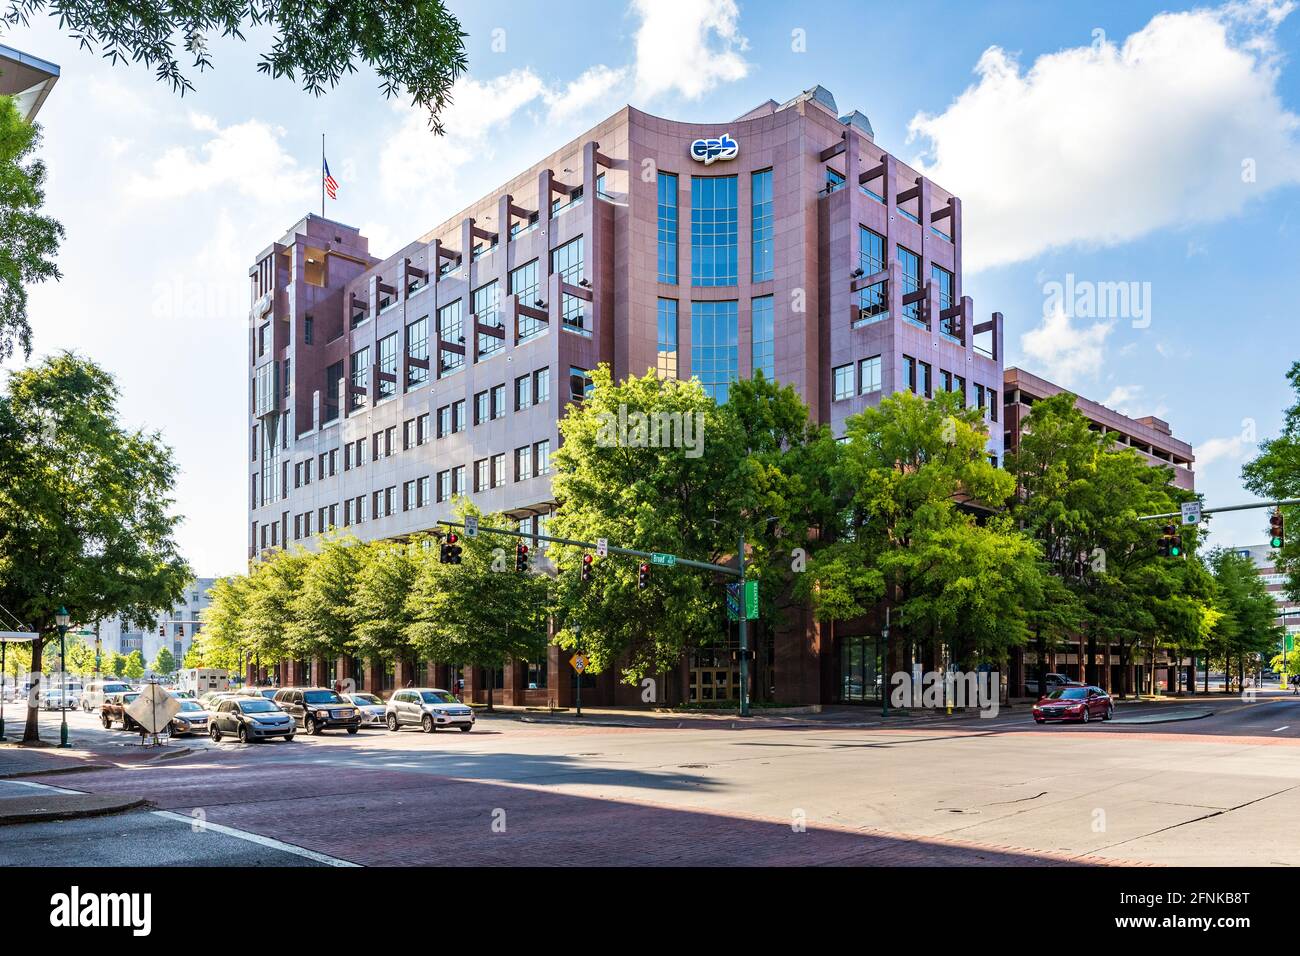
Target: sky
[1093, 145]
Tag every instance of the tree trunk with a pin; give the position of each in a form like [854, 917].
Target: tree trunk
[32, 732]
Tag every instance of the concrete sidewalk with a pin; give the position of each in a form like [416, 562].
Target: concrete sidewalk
[22, 802]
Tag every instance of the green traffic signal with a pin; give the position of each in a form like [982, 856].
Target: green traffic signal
[1275, 543]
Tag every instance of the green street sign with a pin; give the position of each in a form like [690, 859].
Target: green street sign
[667, 560]
[1290, 643]
[751, 600]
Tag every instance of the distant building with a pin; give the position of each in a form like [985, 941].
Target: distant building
[1288, 611]
[28, 79]
[175, 629]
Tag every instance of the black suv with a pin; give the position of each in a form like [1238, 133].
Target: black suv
[319, 708]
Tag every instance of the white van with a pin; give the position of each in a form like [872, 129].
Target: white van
[96, 690]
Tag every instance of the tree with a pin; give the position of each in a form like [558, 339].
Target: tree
[193, 657]
[134, 668]
[269, 618]
[164, 662]
[85, 506]
[116, 665]
[617, 479]
[323, 607]
[380, 613]
[28, 241]
[481, 612]
[919, 528]
[1275, 473]
[227, 638]
[416, 47]
[1246, 630]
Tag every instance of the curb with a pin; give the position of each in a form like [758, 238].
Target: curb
[1162, 720]
[116, 805]
[83, 768]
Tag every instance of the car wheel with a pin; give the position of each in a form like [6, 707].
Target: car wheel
[1087, 714]
[1110, 712]
[108, 724]
[1038, 720]
[288, 737]
[215, 733]
[243, 733]
[465, 730]
[392, 722]
[427, 723]
[309, 725]
[353, 730]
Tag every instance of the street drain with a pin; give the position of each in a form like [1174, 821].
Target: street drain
[693, 766]
[953, 810]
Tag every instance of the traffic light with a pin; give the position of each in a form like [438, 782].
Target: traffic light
[642, 575]
[521, 557]
[180, 631]
[162, 630]
[450, 551]
[586, 567]
[1176, 546]
[1276, 529]
[1167, 540]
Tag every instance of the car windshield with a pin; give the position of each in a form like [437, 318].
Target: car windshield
[437, 697]
[321, 697]
[365, 699]
[127, 698]
[257, 706]
[190, 705]
[116, 688]
[1069, 693]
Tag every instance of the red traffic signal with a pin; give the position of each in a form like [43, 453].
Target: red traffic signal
[450, 551]
[586, 567]
[521, 557]
[642, 575]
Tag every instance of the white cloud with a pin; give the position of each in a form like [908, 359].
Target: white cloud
[1213, 449]
[1121, 398]
[1063, 351]
[600, 84]
[1102, 144]
[688, 46]
[247, 158]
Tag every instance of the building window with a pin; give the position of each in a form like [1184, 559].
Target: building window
[580, 384]
[444, 421]
[487, 311]
[458, 420]
[923, 383]
[417, 347]
[523, 463]
[308, 330]
[909, 373]
[388, 366]
[667, 230]
[763, 256]
[523, 392]
[873, 300]
[444, 485]
[451, 329]
[498, 401]
[542, 386]
[408, 495]
[523, 285]
[666, 357]
[542, 457]
[408, 434]
[842, 382]
[567, 261]
[360, 372]
[333, 376]
[422, 492]
[714, 346]
[422, 429]
[458, 480]
[714, 228]
[871, 251]
[834, 180]
[911, 264]
[482, 407]
[763, 336]
[943, 282]
[869, 375]
[482, 474]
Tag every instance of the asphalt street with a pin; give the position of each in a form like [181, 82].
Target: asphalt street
[847, 787]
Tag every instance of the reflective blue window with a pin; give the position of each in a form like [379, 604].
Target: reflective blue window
[762, 254]
[668, 228]
[714, 227]
[714, 346]
[911, 264]
[666, 362]
[764, 336]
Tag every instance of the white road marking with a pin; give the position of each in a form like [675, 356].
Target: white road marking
[42, 786]
[256, 838]
[1280, 729]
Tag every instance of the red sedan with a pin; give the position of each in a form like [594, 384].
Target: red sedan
[1074, 703]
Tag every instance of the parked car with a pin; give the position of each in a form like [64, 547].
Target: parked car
[93, 698]
[1076, 702]
[427, 708]
[318, 708]
[192, 719]
[250, 718]
[54, 697]
[1052, 682]
[114, 710]
[266, 692]
[210, 700]
[372, 707]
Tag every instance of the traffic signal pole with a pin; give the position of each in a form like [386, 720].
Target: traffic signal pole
[1209, 511]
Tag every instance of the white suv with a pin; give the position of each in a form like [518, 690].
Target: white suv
[427, 708]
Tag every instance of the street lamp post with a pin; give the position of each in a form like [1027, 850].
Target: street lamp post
[62, 620]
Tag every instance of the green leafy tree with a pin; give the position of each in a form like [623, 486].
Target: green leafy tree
[481, 612]
[1246, 630]
[29, 241]
[134, 667]
[379, 612]
[81, 655]
[227, 637]
[1275, 474]
[270, 619]
[85, 506]
[691, 499]
[164, 662]
[115, 665]
[194, 657]
[417, 47]
[323, 606]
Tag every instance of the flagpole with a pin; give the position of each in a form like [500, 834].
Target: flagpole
[322, 175]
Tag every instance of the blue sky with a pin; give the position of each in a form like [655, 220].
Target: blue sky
[1115, 142]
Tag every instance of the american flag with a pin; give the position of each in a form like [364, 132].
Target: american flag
[331, 184]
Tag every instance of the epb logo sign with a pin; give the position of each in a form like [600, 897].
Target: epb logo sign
[708, 151]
